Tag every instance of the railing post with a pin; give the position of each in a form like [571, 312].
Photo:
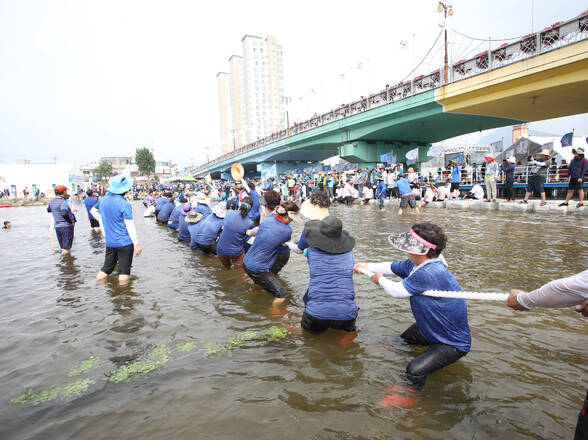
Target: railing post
[538, 43]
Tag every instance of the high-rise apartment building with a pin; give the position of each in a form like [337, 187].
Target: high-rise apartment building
[255, 86]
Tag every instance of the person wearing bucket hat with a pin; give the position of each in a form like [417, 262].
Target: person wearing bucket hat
[206, 235]
[259, 260]
[63, 219]
[202, 205]
[440, 323]
[330, 297]
[576, 174]
[537, 174]
[183, 231]
[119, 230]
[231, 244]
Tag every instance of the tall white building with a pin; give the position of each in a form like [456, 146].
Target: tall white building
[255, 83]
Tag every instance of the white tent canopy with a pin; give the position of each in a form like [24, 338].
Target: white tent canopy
[39, 176]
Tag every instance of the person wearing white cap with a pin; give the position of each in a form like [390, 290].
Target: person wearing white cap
[577, 170]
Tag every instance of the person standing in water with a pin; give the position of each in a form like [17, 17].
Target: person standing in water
[119, 230]
[440, 323]
[90, 201]
[64, 219]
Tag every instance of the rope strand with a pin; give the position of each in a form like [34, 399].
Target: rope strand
[487, 296]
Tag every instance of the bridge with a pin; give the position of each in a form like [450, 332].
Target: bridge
[541, 76]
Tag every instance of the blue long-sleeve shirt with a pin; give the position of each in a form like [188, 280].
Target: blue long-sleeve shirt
[578, 168]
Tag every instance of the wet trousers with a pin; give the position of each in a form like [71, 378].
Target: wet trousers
[436, 357]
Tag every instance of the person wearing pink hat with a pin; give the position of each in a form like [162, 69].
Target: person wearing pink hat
[490, 178]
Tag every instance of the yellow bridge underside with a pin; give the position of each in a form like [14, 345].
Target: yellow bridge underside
[546, 86]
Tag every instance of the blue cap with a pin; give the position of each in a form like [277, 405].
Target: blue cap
[120, 185]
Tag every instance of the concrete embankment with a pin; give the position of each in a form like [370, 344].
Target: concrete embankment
[24, 202]
[501, 205]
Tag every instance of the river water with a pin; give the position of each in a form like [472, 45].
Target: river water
[525, 377]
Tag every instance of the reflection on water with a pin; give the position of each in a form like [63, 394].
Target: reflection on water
[525, 376]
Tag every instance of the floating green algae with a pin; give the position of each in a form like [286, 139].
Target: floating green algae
[158, 357]
[64, 392]
[186, 347]
[85, 366]
[217, 349]
[155, 360]
[76, 388]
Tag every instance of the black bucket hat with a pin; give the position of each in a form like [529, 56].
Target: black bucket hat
[328, 236]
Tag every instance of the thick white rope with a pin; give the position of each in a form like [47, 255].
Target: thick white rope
[489, 296]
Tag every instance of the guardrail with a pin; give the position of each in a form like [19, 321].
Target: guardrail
[553, 37]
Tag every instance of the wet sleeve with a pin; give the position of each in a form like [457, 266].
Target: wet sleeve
[565, 292]
[394, 289]
[384, 268]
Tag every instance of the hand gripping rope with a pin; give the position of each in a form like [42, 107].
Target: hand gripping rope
[488, 296]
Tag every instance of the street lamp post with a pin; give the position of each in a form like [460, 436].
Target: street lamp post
[447, 11]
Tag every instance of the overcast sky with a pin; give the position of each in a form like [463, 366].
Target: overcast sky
[83, 79]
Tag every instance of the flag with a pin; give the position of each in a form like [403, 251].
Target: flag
[442, 24]
[566, 139]
[269, 172]
[496, 146]
[358, 66]
[403, 44]
[342, 75]
[208, 178]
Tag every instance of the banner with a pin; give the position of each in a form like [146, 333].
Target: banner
[269, 173]
[496, 147]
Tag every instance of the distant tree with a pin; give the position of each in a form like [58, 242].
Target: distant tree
[103, 170]
[145, 161]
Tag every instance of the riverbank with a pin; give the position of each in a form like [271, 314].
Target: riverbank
[15, 203]
[551, 207]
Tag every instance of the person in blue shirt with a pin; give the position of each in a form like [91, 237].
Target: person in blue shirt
[440, 323]
[259, 260]
[119, 230]
[160, 201]
[508, 168]
[183, 231]
[206, 235]
[406, 195]
[166, 210]
[63, 219]
[174, 219]
[230, 247]
[254, 214]
[380, 193]
[331, 186]
[90, 201]
[203, 205]
[330, 297]
[455, 179]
